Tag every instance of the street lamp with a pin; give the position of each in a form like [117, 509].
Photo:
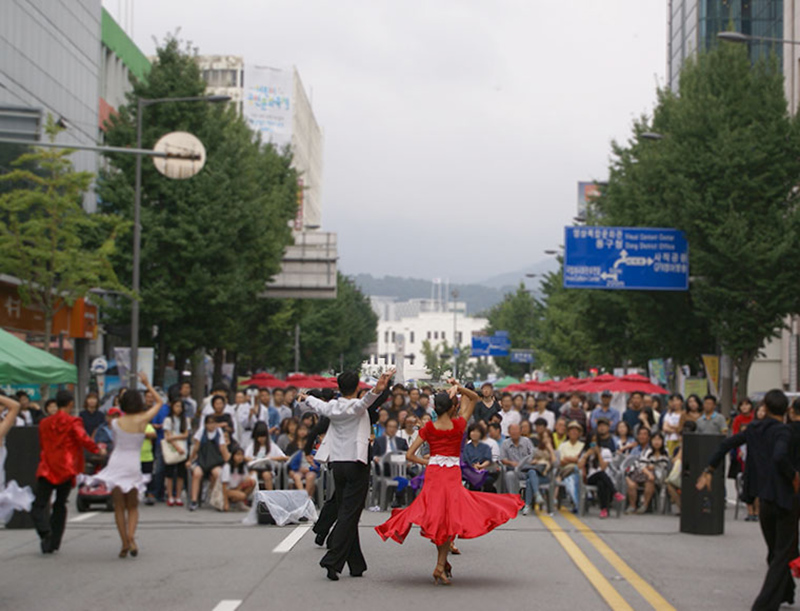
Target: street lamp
[738, 37]
[141, 103]
[651, 136]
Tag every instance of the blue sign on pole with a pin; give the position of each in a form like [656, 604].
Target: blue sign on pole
[626, 258]
[498, 344]
[522, 356]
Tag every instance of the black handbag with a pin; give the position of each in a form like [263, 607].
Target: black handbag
[208, 454]
[263, 516]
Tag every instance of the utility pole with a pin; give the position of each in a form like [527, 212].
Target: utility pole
[297, 348]
[454, 295]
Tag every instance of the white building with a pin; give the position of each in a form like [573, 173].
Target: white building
[229, 75]
[403, 327]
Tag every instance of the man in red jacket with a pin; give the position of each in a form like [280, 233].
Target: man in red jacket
[62, 439]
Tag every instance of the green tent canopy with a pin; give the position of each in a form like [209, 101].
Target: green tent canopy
[506, 381]
[24, 364]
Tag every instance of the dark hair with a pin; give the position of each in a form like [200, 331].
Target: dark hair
[540, 422]
[663, 450]
[474, 427]
[173, 415]
[442, 403]
[290, 387]
[505, 394]
[21, 393]
[676, 395]
[485, 384]
[395, 420]
[348, 382]
[131, 402]
[494, 425]
[696, 398]
[710, 398]
[274, 390]
[285, 424]
[64, 398]
[636, 392]
[690, 426]
[413, 388]
[328, 394]
[641, 428]
[627, 426]
[216, 398]
[209, 418]
[776, 402]
[261, 430]
[240, 468]
[48, 402]
[219, 387]
[796, 406]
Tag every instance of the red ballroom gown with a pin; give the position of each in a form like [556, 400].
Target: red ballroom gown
[445, 509]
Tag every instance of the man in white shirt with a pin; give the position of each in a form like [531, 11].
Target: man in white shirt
[346, 446]
[510, 415]
[249, 412]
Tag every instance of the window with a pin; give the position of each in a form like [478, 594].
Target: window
[411, 338]
[394, 337]
[443, 335]
[386, 337]
[459, 337]
[393, 358]
[429, 334]
[435, 335]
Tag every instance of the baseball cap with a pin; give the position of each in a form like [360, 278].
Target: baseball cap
[574, 424]
[603, 421]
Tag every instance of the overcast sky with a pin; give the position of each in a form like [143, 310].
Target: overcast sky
[455, 130]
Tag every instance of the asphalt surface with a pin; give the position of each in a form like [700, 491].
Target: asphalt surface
[209, 561]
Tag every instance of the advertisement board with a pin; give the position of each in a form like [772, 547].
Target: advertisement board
[267, 103]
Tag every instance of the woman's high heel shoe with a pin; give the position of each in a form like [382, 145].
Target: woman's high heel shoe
[454, 550]
[448, 570]
[439, 577]
[134, 549]
[123, 552]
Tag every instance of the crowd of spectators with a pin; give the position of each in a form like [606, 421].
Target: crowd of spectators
[567, 448]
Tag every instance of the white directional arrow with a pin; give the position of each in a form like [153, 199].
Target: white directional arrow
[606, 276]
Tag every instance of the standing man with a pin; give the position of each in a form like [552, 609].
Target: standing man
[346, 446]
[510, 415]
[189, 404]
[711, 422]
[604, 410]
[774, 481]
[62, 439]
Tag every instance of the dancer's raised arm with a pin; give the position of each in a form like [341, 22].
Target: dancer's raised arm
[11, 417]
[469, 399]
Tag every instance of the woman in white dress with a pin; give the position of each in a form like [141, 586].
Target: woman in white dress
[123, 474]
[12, 498]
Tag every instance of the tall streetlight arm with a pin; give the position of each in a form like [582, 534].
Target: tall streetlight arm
[738, 37]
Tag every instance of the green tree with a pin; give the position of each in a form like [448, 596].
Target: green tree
[47, 240]
[726, 173]
[209, 243]
[519, 314]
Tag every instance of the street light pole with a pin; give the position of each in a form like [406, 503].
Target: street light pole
[454, 294]
[141, 103]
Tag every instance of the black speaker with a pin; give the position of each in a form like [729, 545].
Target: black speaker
[22, 460]
[702, 512]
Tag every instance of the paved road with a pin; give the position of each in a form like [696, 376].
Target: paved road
[199, 560]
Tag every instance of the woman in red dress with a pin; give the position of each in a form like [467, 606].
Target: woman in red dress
[445, 509]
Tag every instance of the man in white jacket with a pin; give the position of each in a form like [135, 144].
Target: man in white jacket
[346, 447]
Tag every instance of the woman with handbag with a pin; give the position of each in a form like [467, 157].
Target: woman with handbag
[174, 449]
[209, 453]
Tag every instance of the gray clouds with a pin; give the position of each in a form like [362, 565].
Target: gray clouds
[455, 130]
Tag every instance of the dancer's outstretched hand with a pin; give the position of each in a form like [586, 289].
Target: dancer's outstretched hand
[452, 382]
[383, 381]
[453, 391]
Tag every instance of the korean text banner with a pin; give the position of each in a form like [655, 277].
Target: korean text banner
[267, 103]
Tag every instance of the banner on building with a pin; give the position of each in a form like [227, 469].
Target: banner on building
[658, 371]
[267, 103]
[711, 363]
[695, 386]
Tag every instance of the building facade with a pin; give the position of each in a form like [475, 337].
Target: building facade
[50, 60]
[403, 328]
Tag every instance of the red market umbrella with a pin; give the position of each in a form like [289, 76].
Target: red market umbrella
[532, 386]
[264, 380]
[634, 383]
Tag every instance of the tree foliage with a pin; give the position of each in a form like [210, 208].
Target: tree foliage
[209, 243]
[519, 313]
[47, 240]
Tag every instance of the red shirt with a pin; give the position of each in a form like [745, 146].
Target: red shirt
[62, 439]
[741, 420]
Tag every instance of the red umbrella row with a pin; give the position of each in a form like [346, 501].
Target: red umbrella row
[627, 384]
[267, 380]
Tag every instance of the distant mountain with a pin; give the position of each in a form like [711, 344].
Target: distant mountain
[512, 279]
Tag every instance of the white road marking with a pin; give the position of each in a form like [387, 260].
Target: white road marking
[84, 516]
[289, 542]
[227, 605]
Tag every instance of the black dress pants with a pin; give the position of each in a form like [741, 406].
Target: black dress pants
[50, 524]
[605, 488]
[352, 484]
[779, 527]
[327, 516]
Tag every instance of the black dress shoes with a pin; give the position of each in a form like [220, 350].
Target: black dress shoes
[333, 575]
[320, 539]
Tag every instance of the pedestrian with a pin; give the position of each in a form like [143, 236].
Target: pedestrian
[123, 474]
[346, 446]
[445, 509]
[62, 439]
[775, 481]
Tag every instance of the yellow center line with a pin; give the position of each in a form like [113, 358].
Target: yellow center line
[647, 591]
[600, 583]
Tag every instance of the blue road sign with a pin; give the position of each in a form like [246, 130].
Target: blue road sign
[626, 258]
[491, 345]
[522, 356]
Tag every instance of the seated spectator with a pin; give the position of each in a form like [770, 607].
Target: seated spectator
[541, 411]
[529, 408]
[649, 470]
[389, 443]
[425, 406]
[91, 415]
[573, 411]
[568, 472]
[518, 405]
[515, 451]
[209, 453]
[674, 478]
[603, 436]
[642, 442]
[238, 485]
[595, 463]
[176, 433]
[560, 433]
[288, 431]
[623, 439]
[379, 428]
[671, 422]
[541, 434]
[509, 414]
[479, 456]
[302, 467]
[410, 430]
[261, 448]
[398, 403]
[525, 429]
[493, 438]
[538, 470]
